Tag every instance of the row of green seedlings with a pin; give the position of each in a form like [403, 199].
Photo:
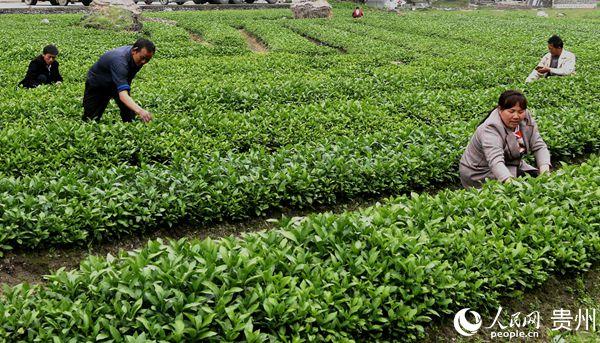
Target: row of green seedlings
[88, 203]
[382, 273]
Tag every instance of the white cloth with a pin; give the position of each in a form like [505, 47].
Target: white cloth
[566, 66]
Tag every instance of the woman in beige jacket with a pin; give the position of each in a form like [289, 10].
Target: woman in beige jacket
[500, 142]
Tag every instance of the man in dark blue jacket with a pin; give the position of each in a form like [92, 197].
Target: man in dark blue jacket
[111, 77]
[43, 70]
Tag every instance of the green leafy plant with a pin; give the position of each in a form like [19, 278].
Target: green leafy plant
[376, 274]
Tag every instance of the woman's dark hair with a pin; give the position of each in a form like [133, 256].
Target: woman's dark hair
[509, 99]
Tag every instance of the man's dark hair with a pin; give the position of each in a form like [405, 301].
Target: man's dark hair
[144, 43]
[555, 41]
[50, 49]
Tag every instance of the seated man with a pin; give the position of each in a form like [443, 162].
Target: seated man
[557, 62]
[43, 70]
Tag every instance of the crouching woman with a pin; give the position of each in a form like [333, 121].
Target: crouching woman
[500, 142]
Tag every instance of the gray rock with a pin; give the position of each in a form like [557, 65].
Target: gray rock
[311, 9]
[120, 13]
[542, 14]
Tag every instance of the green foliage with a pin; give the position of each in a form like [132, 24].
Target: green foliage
[237, 134]
[378, 274]
[109, 18]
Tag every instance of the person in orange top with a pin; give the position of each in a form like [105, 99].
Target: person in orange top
[358, 13]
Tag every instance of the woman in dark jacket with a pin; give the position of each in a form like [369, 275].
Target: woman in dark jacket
[43, 70]
[501, 141]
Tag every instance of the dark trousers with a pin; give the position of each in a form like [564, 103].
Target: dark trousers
[41, 80]
[32, 83]
[533, 173]
[95, 101]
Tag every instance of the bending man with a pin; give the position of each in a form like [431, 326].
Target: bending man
[557, 62]
[111, 77]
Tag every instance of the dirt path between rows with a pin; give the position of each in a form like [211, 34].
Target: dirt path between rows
[31, 266]
[571, 291]
[321, 43]
[254, 43]
[318, 42]
[198, 39]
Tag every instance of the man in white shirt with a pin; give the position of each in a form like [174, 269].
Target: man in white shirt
[557, 62]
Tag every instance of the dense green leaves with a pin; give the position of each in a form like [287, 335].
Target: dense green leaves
[388, 109]
[377, 274]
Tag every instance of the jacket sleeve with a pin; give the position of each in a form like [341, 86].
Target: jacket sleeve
[533, 76]
[31, 75]
[567, 68]
[118, 72]
[493, 150]
[538, 147]
[544, 62]
[57, 76]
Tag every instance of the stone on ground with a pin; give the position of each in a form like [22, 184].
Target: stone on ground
[303, 9]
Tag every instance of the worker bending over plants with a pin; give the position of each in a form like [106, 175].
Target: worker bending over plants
[111, 77]
[500, 142]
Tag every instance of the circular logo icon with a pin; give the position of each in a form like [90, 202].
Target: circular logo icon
[463, 326]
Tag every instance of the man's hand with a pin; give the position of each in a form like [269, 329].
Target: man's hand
[145, 116]
[543, 70]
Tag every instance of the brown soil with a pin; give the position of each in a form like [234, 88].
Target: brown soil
[31, 266]
[253, 42]
[569, 292]
[318, 42]
[198, 39]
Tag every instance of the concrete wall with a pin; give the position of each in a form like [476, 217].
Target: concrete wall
[538, 3]
[382, 4]
[574, 4]
[398, 4]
